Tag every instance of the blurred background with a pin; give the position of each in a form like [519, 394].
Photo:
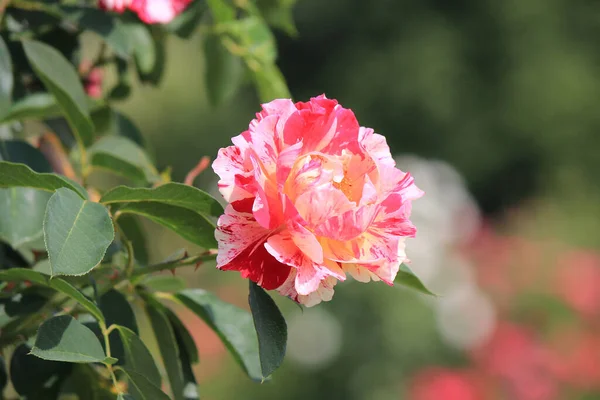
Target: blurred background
[492, 106]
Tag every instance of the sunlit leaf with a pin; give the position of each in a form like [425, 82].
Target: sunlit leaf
[122, 156]
[61, 79]
[406, 277]
[35, 105]
[20, 175]
[6, 79]
[77, 233]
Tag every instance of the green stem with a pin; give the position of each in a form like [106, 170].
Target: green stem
[170, 265]
[106, 333]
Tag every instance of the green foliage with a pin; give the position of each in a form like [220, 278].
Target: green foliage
[406, 277]
[60, 129]
[270, 328]
[65, 339]
[77, 233]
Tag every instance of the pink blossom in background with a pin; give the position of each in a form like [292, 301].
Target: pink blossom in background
[312, 197]
[149, 11]
[439, 383]
[578, 281]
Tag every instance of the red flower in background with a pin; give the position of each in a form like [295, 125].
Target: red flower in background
[149, 11]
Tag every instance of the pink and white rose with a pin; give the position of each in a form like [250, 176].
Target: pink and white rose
[313, 197]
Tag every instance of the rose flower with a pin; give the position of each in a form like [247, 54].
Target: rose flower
[312, 197]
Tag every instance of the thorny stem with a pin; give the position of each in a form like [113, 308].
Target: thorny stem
[169, 265]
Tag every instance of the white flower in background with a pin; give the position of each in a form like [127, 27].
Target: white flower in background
[447, 217]
[315, 338]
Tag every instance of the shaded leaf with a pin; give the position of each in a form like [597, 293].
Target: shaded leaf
[122, 156]
[83, 382]
[233, 325]
[130, 225]
[406, 277]
[182, 333]
[167, 345]
[223, 71]
[20, 175]
[34, 377]
[19, 151]
[278, 13]
[6, 78]
[3, 374]
[65, 339]
[185, 23]
[270, 328]
[77, 233]
[61, 79]
[107, 26]
[137, 356]
[221, 11]
[144, 50]
[141, 388]
[117, 310]
[187, 353]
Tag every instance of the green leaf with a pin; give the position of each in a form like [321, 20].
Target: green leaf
[167, 345]
[144, 50]
[77, 233]
[223, 71]
[20, 175]
[270, 328]
[83, 382]
[3, 374]
[71, 291]
[253, 34]
[122, 396]
[6, 78]
[185, 223]
[233, 325]
[23, 275]
[63, 338]
[190, 391]
[184, 335]
[35, 105]
[108, 121]
[278, 13]
[61, 79]
[107, 26]
[143, 389]
[117, 310]
[35, 378]
[130, 225]
[137, 355]
[122, 156]
[173, 194]
[270, 83]
[22, 215]
[148, 51]
[406, 277]
[165, 283]
[19, 151]
[185, 23]
[221, 11]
